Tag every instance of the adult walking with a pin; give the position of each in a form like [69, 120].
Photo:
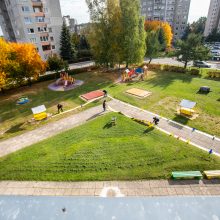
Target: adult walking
[104, 105]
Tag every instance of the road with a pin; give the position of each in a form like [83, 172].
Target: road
[75, 66]
[172, 61]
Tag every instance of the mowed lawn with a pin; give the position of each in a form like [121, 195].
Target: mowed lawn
[14, 118]
[168, 89]
[98, 151]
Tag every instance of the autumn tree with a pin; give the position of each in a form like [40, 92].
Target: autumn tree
[157, 25]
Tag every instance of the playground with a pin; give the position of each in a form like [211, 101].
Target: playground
[99, 150]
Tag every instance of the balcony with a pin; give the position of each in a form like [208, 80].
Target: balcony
[39, 14]
[37, 3]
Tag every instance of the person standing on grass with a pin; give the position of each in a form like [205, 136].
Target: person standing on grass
[105, 93]
[145, 70]
[59, 108]
[104, 105]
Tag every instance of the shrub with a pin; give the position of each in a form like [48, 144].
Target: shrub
[214, 74]
[177, 69]
[194, 72]
[155, 66]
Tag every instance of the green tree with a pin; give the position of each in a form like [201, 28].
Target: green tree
[153, 45]
[213, 36]
[55, 63]
[186, 32]
[134, 35]
[198, 27]
[191, 49]
[162, 39]
[67, 50]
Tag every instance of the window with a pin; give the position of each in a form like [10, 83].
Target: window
[44, 38]
[51, 38]
[30, 30]
[46, 47]
[42, 29]
[53, 47]
[50, 30]
[33, 40]
[27, 20]
[36, 9]
[39, 19]
[25, 8]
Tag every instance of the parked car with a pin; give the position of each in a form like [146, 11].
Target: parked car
[202, 64]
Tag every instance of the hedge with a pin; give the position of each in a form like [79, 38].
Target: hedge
[214, 74]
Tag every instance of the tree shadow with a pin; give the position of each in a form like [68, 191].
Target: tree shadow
[95, 116]
[15, 128]
[218, 100]
[108, 125]
[164, 79]
[181, 119]
[148, 130]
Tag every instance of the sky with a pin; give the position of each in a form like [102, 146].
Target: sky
[78, 9]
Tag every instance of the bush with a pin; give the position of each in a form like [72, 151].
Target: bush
[194, 72]
[155, 66]
[177, 69]
[214, 74]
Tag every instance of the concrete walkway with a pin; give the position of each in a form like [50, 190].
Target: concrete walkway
[113, 188]
[24, 140]
[184, 133]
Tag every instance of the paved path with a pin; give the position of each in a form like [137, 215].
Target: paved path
[185, 133]
[113, 188]
[21, 141]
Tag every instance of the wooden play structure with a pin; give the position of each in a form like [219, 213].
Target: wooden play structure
[65, 80]
[39, 113]
[129, 75]
[187, 108]
[139, 93]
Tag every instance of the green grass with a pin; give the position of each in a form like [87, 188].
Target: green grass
[98, 151]
[14, 118]
[168, 89]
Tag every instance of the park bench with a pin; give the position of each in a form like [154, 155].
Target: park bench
[210, 174]
[186, 175]
[113, 121]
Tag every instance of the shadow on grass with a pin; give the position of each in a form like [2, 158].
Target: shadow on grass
[108, 125]
[148, 130]
[181, 119]
[218, 100]
[15, 128]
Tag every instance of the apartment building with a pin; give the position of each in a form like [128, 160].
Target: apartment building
[70, 23]
[213, 18]
[35, 21]
[175, 12]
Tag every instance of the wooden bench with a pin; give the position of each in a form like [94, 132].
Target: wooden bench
[210, 174]
[187, 175]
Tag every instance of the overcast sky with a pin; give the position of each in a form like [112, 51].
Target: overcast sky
[78, 9]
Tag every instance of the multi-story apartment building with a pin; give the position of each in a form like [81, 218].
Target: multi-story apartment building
[174, 12]
[70, 23]
[35, 21]
[213, 19]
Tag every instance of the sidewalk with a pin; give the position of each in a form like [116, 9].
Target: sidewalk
[113, 188]
[24, 140]
[184, 133]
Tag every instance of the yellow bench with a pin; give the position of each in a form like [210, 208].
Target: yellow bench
[187, 111]
[40, 116]
[210, 174]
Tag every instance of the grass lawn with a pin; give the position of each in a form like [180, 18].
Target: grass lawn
[97, 151]
[13, 118]
[168, 89]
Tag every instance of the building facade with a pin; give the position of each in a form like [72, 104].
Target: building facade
[35, 21]
[213, 18]
[175, 12]
[70, 23]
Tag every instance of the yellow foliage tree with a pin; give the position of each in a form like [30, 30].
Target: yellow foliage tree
[156, 25]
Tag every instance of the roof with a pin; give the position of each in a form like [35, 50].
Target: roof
[187, 104]
[39, 109]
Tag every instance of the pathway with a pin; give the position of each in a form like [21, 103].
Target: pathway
[113, 188]
[21, 141]
[184, 133]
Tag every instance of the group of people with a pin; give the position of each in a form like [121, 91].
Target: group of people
[128, 74]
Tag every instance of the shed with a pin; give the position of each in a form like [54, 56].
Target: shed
[186, 107]
[39, 112]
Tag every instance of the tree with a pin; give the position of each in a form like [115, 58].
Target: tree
[67, 50]
[198, 27]
[133, 44]
[55, 63]
[156, 25]
[186, 32]
[153, 45]
[213, 36]
[162, 39]
[191, 49]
